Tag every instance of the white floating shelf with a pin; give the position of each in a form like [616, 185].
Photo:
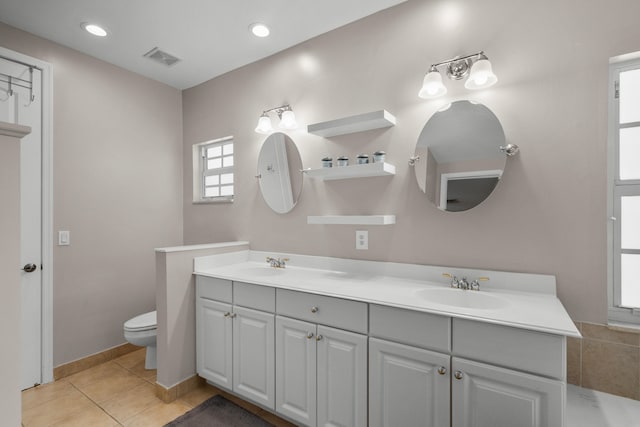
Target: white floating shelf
[352, 219]
[353, 171]
[360, 123]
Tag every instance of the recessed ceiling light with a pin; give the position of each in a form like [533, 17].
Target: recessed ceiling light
[259, 30]
[94, 29]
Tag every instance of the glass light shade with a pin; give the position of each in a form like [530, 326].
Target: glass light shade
[288, 120]
[432, 86]
[481, 75]
[94, 29]
[259, 30]
[264, 125]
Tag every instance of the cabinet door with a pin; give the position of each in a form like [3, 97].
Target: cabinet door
[296, 370]
[342, 378]
[214, 342]
[254, 355]
[408, 386]
[487, 396]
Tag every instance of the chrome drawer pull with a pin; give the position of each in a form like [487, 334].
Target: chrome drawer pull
[314, 309]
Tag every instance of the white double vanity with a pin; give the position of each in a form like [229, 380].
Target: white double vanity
[335, 342]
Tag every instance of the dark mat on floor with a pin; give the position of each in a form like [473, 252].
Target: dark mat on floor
[218, 412]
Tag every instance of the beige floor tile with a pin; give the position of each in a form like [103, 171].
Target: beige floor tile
[158, 415]
[44, 393]
[110, 386]
[91, 375]
[147, 374]
[92, 416]
[131, 359]
[199, 395]
[126, 405]
[56, 410]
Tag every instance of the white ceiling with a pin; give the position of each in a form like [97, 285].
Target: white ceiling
[210, 37]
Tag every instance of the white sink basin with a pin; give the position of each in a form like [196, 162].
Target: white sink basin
[263, 270]
[464, 299]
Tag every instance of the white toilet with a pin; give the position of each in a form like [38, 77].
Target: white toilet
[142, 331]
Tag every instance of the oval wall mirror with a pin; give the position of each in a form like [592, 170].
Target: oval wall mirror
[458, 159]
[279, 166]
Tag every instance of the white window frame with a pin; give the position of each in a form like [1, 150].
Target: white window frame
[200, 171]
[617, 189]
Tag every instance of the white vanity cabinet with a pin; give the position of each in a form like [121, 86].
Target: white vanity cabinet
[235, 344]
[322, 360]
[484, 376]
[321, 371]
[487, 396]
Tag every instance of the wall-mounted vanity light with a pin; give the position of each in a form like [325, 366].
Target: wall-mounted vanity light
[284, 112]
[476, 66]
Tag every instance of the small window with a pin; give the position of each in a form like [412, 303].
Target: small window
[624, 189]
[213, 177]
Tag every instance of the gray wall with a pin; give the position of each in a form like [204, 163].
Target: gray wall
[547, 216]
[117, 178]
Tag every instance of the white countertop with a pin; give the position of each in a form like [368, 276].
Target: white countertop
[526, 301]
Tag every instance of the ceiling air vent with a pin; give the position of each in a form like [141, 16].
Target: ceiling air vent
[162, 57]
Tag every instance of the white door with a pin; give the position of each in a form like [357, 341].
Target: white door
[296, 370]
[22, 105]
[487, 396]
[214, 342]
[342, 378]
[408, 386]
[253, 355]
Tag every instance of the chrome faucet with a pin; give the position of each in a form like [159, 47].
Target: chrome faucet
[455, 283]
[464, 283]
[475, 285]
[277, 262]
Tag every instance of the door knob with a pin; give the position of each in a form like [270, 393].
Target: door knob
[442, 370]
[458, 375]
[29, 268]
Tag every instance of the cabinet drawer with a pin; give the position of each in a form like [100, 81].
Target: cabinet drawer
[341, 313]
[410, 327]
[254, 296]
[213, 288]
[528, 351]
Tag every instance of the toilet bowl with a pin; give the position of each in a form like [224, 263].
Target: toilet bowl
[142, 331]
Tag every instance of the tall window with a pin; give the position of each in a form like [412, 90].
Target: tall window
[213, 163]
[624, 189]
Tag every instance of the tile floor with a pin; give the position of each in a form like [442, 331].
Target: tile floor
[117, 393]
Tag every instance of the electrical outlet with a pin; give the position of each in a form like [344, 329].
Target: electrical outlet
[362, 239]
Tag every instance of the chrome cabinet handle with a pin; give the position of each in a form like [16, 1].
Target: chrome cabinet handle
[458, 375]
[310, 335]
[314, 309]
[319, 337]
[232, 315]
[442, 370]
[227, 314]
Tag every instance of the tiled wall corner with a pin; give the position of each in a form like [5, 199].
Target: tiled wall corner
[606, 359]
[574, 358]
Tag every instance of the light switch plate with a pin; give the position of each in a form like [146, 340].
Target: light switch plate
[64, 238]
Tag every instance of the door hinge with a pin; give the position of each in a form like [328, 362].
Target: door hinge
[616, 90]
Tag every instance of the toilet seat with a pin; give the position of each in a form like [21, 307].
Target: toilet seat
[143, 322]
